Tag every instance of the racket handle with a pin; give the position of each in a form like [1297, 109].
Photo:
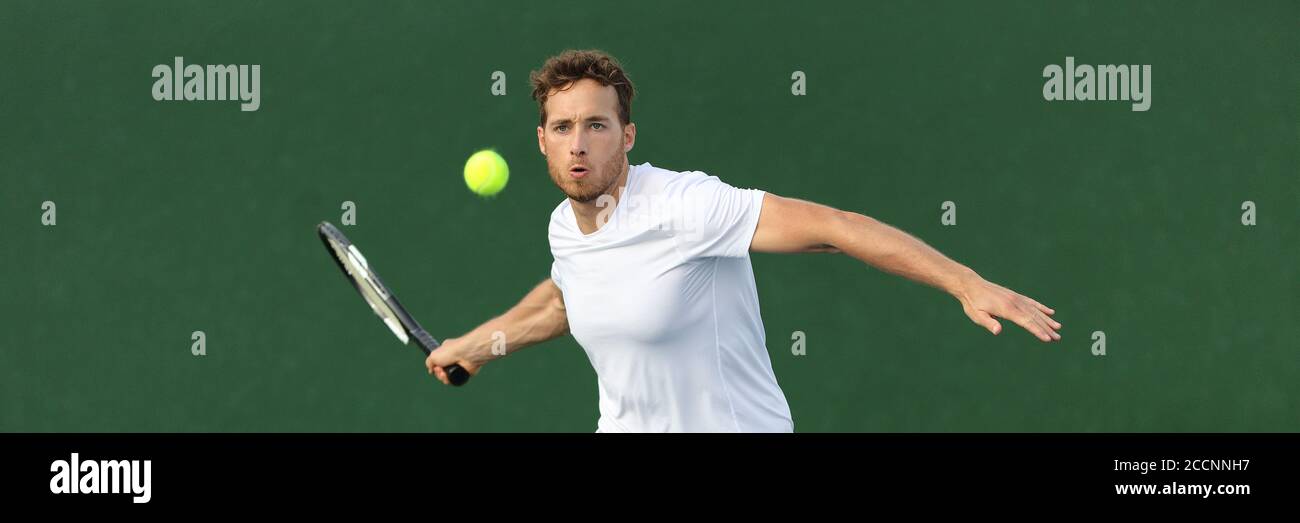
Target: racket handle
[456, 374]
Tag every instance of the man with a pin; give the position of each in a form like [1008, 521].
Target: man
[651, 270]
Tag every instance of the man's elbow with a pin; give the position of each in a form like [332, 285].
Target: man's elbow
[846, 227]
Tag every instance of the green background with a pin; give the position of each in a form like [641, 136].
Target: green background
[182, 216]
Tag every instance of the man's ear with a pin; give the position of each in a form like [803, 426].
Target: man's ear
[541, 140]
[629, 136]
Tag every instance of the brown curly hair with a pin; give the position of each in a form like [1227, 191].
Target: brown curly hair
[564, 69]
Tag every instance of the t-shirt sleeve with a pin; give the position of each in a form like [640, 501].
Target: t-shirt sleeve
[721, 218]
[555, 275]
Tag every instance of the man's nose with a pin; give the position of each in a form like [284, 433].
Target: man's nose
[578, 146]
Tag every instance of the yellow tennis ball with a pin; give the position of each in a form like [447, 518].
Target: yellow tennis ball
[486, 173]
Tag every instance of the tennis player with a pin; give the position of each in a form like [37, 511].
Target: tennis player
[651, 270]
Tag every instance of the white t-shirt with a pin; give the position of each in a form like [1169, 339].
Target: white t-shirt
[662, 299]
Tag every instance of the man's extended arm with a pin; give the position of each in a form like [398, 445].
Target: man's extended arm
[538, 317]
[790, 225]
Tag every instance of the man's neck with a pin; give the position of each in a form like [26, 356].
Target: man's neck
[589, 214]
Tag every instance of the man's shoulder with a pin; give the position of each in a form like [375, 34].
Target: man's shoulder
[559, 217]
[656, 180]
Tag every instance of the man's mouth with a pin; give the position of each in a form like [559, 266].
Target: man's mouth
[578, 171]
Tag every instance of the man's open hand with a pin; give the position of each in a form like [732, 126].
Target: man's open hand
[983, 300]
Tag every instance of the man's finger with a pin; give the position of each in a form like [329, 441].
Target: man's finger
[1031, 324]
[984, 320]
[1050, 331]
[442, 375]
[1044, 308]
[1046, 325]
[1036, 317]
[1056, 325]
[438, 358]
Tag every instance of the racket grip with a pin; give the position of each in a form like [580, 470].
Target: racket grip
[456, 374]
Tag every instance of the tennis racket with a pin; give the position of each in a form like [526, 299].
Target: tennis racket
[381, 300]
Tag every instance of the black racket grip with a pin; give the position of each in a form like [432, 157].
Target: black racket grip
[456, 374]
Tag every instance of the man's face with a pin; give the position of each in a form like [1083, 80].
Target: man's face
[584, 144]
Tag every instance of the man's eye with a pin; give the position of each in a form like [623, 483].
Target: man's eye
[561, 128]
[597, 125]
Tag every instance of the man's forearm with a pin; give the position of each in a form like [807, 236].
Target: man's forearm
[538, 317]
[896, 252]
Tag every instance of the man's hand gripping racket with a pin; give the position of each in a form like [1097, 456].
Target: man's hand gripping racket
[380, 298]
